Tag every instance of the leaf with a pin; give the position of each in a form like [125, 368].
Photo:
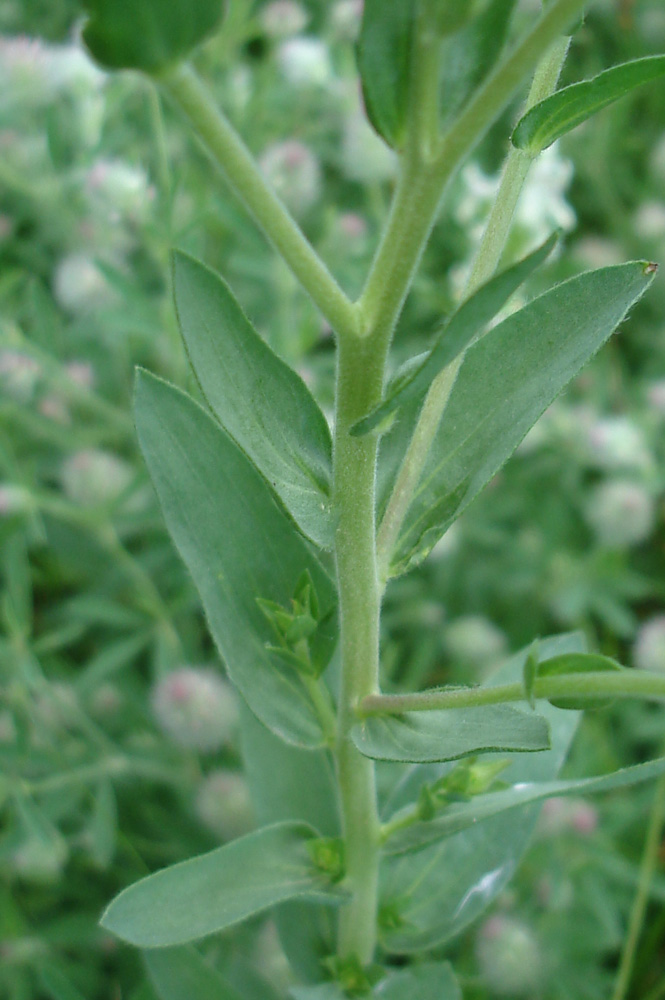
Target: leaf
[448, 734]
[259, 400]
[384, 61]
[508, 379]
[578, 663]
[464, 326]
[300, 785]
[459, 816]
[208, 893]
[104, 824]
[430, 896]
[426, 981]
[56, 985]
[468, 55]
[570, 106]
[149, 35]
[237, 544]
[182, 974]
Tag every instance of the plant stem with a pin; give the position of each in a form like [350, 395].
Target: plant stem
[359, 386]
[638, 911]
[487, 259]
[596, 684]
[243, 175]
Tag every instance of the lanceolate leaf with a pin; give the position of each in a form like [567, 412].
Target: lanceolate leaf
[464, 326]
[569, 107]
[461, 815]
[258, 399]
[195, 898]
[433, 894]
[469, 55]
[384, 58]
[179, 973]
[299, 784]
[508, 379]
[149, 35]
[238, 545]
[578, 663]
[419, 737]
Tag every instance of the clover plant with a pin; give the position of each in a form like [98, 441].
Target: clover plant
[292, 530]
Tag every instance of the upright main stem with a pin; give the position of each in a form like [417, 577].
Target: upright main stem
[359, 386]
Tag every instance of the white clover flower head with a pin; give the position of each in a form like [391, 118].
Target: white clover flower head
[365, 157]
[616, 443]
[71, 69]
[649, 220]
[40, 860]
[352, 226]
[474, 640]
[223, 804]
[509, 956]
[55, 408]
[621, 513]
[79, 285]
[92, 477]
[19, 374]
[294, 172]
[542, 206]
[24, 69]
[283, 18]
[119, 190]
[305, 62]
[598, 251]
[649, 647]
[345, 19]
[196, 708]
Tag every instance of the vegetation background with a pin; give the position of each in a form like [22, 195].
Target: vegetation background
[109, 771]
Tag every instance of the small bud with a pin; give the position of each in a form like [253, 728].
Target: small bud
[620, 513]
[509, 957]
[294, 173]
[223, 805]
[196, 708]
[649, 648]
[81, 373]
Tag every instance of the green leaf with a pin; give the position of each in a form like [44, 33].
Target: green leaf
[578, 663]
[427, 981]
[384, 61]
[238, 545]
[56, 985]
[468, 55]
[182, 974]
[299, 784]
[431, 895]
[459, 816]
[206, 894]
[259, 400]
[464, 326]
[104, 824]
[149, 35]
[448, 734]
[508, 379]
[569, 107]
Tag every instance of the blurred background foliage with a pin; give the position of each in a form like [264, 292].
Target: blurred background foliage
[112, 762]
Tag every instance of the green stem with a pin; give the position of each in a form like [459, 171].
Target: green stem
[241, 172]
[359, 386]
[638, 912]
[596, 684]
[487, 259]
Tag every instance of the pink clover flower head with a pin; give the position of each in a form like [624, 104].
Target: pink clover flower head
[196, 708]
[620, 513]
[509, 956]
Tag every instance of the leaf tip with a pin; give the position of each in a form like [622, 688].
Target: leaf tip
[650, 267]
